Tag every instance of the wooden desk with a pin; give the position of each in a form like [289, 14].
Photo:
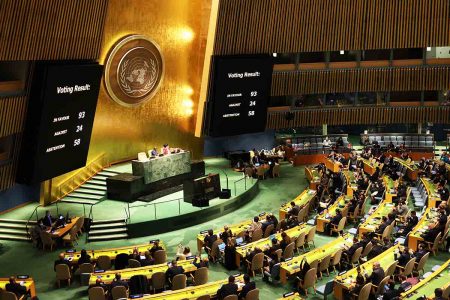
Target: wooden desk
[111, 252]
[147, 271]
[439, 279]
[428, 218]
[375, 219]
[193, 292]
[434, 199]
[235, 229]
[313, 177]
[322, 219]
[60, 232]
[369, 166]
[390, 185]
[28, 283]
[352, 186]
[294, 296]
[301, 200]
[346, 282]
[333, 166]
[412, 171]
[292, 267]
[293, 233]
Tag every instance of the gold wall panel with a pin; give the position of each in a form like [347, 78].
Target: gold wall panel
[51, 29]
[180, 28]
[287, 26]
[362, 80]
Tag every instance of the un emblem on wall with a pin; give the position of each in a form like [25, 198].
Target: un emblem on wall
[134, 70]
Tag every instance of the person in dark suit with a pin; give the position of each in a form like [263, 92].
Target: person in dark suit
[84, 258]
[438, 294]
[377, 274]
[304, 268]
[292, 221]
[270, 272]
[147, 261]
[48, 219]
[156, 247]
[15, 288]
[391, 217]
[404, 257]
[210, 238]
[443, 192]
[334, 220]
[268, 221]
[421, 251]
[360, 282]
[391, 293]
[383, 225]
[174, 270]
[411, 222]
[350, 251]
[275, 246]
[377, 249]
[252, 254]
[230, 255]
[230, 288]
[249, 285]
[226, 233]
[273, 219]
[61, 261]
[295, 209]
[431, 234]
[363, 183]
[352, 205]
[118, 282]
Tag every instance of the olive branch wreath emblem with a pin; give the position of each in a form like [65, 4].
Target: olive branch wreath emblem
[127, 88]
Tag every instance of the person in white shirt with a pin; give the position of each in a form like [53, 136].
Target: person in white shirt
[183, 252]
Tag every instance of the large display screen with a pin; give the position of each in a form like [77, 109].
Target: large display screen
[239, 96]
[60, 117]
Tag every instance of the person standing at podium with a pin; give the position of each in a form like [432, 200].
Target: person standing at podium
[166, 149]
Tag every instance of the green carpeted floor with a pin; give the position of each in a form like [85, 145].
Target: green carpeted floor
[164, 207]
[21, 258]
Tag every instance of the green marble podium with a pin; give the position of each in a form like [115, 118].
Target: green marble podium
[162, 167]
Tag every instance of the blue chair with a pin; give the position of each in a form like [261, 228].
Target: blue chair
[325, 289]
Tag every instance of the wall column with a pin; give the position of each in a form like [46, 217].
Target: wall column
[419, 128]
[324, 129]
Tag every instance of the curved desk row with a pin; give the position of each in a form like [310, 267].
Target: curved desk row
[111, 252]
[291, 267]
[193, 292]
[439, 279]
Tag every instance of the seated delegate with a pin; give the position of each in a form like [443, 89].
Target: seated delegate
[15, 287]
[227, 289]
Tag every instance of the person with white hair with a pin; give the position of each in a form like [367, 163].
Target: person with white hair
[377, 274]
